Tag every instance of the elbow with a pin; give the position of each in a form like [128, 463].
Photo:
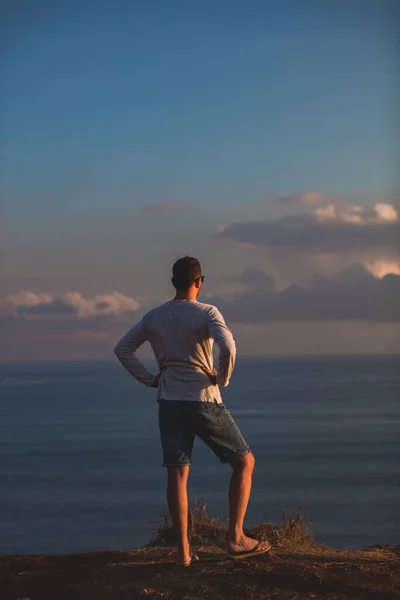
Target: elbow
[231, 355]
[123, 352]
[229, 349]
[118, 351]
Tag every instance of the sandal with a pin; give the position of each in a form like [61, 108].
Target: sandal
[256, 551]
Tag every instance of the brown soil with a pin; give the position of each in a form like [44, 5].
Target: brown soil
[315, 572]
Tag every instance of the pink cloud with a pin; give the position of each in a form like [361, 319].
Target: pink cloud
[381, 212]
[307, 198]
[28, 303]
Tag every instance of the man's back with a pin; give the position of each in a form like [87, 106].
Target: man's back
[181, 333]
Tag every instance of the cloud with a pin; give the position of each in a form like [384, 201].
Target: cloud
[328, 229]
[69, 313]
[71, 303]
[56, 307]
[330, 207]
[381, 212]
[159, 207]
[354, 294]
[386, 212]
[326, 239]
[254, 277]
[308, 198]
[380, 268]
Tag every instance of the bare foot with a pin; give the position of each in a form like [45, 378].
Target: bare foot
[245, 544]
[187, 557]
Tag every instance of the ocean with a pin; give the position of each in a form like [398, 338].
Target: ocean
[80, 456]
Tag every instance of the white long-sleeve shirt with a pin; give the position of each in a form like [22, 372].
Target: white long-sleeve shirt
[181, 333]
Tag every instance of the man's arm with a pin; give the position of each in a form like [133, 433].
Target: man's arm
[218, 330]
[125, 350]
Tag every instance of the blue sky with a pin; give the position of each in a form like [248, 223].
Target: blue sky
[221, 106]
[271, 95]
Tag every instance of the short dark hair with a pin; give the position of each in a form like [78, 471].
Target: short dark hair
[185, 271]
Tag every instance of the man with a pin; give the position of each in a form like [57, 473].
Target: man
[182, 332]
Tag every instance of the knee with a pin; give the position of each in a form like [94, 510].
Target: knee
[246, 463]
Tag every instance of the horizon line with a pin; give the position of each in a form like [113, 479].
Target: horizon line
[245, 357]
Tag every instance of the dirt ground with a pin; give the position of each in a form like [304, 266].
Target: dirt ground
[151, 573]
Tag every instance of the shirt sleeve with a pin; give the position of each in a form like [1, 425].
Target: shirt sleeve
[218, 330]
[125, 350]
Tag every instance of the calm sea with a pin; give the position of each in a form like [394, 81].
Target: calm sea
[80, 457]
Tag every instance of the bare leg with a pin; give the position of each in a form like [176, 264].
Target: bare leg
[239, 495]
[177, 498]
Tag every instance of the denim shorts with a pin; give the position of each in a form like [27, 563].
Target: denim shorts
[180, 421]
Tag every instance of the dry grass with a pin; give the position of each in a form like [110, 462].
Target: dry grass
[295, 530]
[208, 529]
[203, 528]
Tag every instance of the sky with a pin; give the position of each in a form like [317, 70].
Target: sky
[259, 136]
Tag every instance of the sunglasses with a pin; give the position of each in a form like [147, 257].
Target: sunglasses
[201, 277]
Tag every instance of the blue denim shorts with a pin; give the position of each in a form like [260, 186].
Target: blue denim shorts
[180, 421]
